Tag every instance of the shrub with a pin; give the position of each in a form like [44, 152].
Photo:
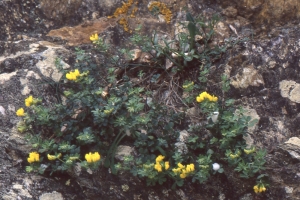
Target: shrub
[102, 108]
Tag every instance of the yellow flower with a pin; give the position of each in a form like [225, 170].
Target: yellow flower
[233, 156]
[94, 37]
[29, 101]
[249, 151]
[255, 188]
[183, 175]
[51, 157]
[167, 165]
[188, 85]
[70, 76]
[73, 158]
[180, 166]
[159, 158]
[158, 167]
[205, 95]
[73, 75]
[33, 157]
[92, 157]
[190, 168]
[20, 112]
[76, 72]
[176, 170]
[259, 188]
[108, 111]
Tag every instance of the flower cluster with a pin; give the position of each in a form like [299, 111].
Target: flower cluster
[29, 101]
[259, 188]
[158, 165]
[53, 157]
[73, 75]
[108, 111]
[92, 157]
[94, 37]
[166, 12]
[188, 85]
[20, 112]
[184, 171]
[233, 156]
[205, 95]
[33, 157]
[249, 151]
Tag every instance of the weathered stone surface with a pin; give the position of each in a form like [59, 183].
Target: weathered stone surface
[257, 69]
[248, 77]
[51, 196]
[290, 89]
[47, 66]
[59, 9]
[81, 34]
[264, 14]
[294, 141]
[122, 151]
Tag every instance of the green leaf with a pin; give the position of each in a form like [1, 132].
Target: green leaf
[252, 123]
[210, 151]
[189, 17]
[221, 170]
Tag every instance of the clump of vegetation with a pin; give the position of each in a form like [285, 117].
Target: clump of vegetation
[103, 108]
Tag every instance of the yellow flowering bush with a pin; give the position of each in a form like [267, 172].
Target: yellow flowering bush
[33, 157]
[105, 108]
[20, 112]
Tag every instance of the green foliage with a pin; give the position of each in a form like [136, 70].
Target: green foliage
[102, 109]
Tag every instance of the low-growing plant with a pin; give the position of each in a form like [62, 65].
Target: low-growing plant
[101, 109]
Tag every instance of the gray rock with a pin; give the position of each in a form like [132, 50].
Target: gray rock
[290, 89]
[249, 77]
[51, 196]
[123, 151]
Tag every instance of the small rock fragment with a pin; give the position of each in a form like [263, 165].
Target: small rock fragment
[290, 90]
[51, 196]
